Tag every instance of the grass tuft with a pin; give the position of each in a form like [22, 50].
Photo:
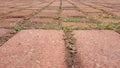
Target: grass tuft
[111, 16]
[58, 17]
[18, 28]
[106, 25]
[73, 20]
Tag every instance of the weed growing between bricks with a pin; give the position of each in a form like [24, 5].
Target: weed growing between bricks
[106, 26]
[73, 20]
[18, 28]
[69, 41]
[6, 38]
[112, 16]
[3, 40]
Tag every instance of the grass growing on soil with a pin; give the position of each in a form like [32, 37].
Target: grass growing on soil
[107, 25]
[60, 28]
[73, 20]
[111, 16]
[58, 17]
[69, 42]
[91, 19]
[18, 28]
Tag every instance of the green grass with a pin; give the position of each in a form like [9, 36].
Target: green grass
[58, 17]
[106, 25]
[73, 20]
[18, 28]
[66, 29]
[111, 16]
[60, 28]
[91, 19]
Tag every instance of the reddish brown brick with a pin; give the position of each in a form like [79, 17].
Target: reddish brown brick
[97, 49]
[34, 49]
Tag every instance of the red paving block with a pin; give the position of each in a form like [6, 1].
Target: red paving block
[75, 24]
[72, 13]
[116, 13]
[5, 32]
[42, 20]
[20, 14]
[50, 11]
[34, 49]
[97, 49]
[47, 14]
[66, 4]
[5, 10]
[55, 4]
[9, 22]
[89, 9]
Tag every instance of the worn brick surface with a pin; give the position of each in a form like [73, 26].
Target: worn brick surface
[97, 49]
[34, 49]
[5, 32]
